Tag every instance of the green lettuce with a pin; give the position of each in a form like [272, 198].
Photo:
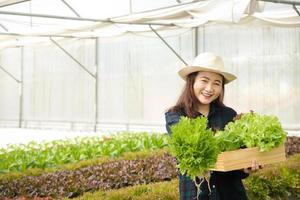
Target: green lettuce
[230, 138]
[194, 146]
[252, 130]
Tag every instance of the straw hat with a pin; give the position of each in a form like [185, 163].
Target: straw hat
[207, 62]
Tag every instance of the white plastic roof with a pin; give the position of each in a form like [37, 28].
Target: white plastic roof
[24, 21]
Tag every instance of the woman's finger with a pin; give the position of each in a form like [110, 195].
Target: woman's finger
[254, 167]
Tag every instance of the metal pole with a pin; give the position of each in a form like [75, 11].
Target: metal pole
[10, 3]
[43, 35]
[130, 7]
[283, 2]
[96, 84]
[30, 7]
[196, 41]
[203, 37]
[164, 41]
[161, 8]
[22, 88]
[3, 27]
[10, 75]
[70, 7]
[80, 19]
[295, 8]
[74, 59]
[294, 3]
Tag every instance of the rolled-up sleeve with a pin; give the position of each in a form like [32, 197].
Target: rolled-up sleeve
[171, 119]
[239, 174]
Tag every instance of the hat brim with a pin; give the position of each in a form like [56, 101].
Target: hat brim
[184, 72]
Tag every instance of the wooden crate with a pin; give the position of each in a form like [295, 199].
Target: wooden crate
[242, 158]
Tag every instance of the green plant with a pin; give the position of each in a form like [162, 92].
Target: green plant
[18, 158]
[194, 146]
[167, 190]
[229, 139]
[137, 168]
[252, 130]
[276, 182]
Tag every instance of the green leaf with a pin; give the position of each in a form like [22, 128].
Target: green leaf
[194, 146]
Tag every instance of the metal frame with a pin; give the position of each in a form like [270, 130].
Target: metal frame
[72, 57]
[283, 2]
[10, 75]
[4, 27]
[161, 8]
[96, 83]
[295, 8]
[109, 20]
[71, 8]
[20, 82]
[130, 7]
[166, 43]
[196, 41]
[95, 76]
[21, 89]
[13, 2]
[45, 35]
[294, 3]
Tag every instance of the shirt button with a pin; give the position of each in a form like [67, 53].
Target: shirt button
[213, 186]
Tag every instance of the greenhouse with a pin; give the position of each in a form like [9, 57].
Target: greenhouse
[74, 68]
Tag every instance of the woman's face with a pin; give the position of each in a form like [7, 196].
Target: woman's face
[207, 86]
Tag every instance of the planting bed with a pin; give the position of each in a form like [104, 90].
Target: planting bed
[141, 167]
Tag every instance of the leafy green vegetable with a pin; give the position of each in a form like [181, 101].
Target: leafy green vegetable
[229, 139]
[17, 158]
[252, 130]
[194, 146]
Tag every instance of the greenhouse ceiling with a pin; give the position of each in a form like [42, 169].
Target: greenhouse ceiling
[28, 21]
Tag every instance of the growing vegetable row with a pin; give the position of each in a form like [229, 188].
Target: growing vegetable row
[250, 130]
[50, 154]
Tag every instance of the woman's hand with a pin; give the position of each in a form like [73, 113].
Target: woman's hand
[254, 167]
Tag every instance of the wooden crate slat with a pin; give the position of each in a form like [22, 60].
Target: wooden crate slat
[242, 158]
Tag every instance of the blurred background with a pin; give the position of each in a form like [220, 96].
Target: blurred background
[89, 67]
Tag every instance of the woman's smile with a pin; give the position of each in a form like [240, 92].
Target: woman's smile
[207, 86]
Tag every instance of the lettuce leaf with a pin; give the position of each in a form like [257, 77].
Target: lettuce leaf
[194, 146]
[252, 130]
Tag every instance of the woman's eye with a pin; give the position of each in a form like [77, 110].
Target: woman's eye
[204, 81]
[217, 84]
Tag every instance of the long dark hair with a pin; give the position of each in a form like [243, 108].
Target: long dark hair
[188, 102]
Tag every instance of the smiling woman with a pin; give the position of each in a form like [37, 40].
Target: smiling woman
[203, 96]
[207, 88]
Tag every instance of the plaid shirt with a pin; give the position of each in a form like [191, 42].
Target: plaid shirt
[224, 185]
[188, 189]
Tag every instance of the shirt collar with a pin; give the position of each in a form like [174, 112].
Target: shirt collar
[212, 109]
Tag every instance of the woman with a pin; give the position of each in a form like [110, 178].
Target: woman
[203, 96]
